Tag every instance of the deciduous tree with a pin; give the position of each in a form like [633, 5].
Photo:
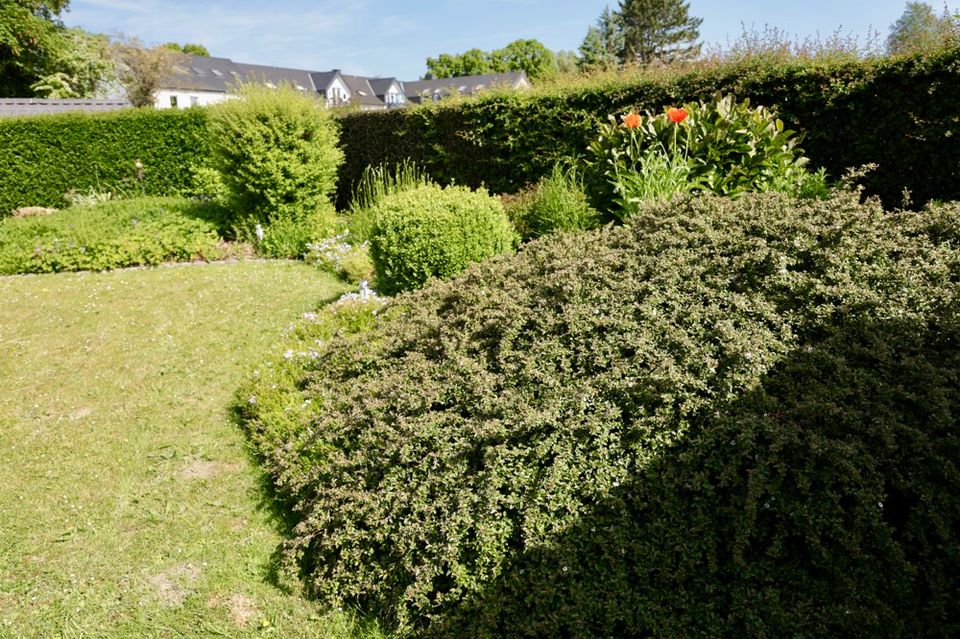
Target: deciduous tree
[141, 70]
[921, 29]
[29, 37]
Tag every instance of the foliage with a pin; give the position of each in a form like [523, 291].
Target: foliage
[110, 235]
[529, 56]
[722, 146]
[658, 31]
[188, 48]
[558, 203]
[142, 69]
[277, 152]
[42, 158]
[29, 37]
[342, 256]
[286, 237]
[731, 418]
[430, 231]
[920, 29]
[603, 46]
[376, 183]
[80, 67]
[898, 113]
[568, 62]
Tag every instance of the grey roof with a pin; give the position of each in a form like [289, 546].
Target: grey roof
[202, 73]
[12, 107]
[466, 85]
[323, 79]
[361, 91]
[380, 86]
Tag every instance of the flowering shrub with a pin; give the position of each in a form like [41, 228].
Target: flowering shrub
[724, 147]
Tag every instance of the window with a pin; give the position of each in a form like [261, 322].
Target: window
[194, 100]
[217, 73]
[173, 102]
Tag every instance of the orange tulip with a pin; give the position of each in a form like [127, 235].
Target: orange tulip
[631, 121]
[677, 115]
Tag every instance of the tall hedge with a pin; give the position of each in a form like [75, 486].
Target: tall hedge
[43, 157]
[902, 114]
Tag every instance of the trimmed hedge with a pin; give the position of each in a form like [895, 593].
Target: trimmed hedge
[41, 158]
[902, 114]
[730, 418]
[429, 231]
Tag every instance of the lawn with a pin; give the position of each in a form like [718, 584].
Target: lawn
[131, 506]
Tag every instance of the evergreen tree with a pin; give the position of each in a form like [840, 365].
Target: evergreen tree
[658, 31]
[602, 48]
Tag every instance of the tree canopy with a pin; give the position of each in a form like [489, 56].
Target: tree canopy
[188, 48]
[641, 31]
[529, 56]
[30, 32]
[921, 29]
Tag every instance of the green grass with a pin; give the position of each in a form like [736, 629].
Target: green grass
[130, 504]
[113, 234]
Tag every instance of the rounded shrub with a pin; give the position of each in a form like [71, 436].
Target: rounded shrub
[729, 418]
[277, 151]
[429, 231]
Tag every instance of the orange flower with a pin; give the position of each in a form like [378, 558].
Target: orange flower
[631, 120]
[677, 115]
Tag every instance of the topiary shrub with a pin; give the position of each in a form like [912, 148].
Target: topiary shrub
[729, 418]
[277, 152]
[430, 231]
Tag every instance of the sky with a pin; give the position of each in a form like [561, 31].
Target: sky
[394, 38]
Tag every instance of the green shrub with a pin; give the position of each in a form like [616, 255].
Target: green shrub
[896, 113]
[434, 232]
[558, 203]
[44, 157]
[285, 237]
[729, 418]
[723, 147]
[376, 183]
[276, 150]
[114, 234]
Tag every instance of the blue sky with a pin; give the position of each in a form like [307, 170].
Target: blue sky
[384, 38]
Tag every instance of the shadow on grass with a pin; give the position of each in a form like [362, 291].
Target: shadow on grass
[826, 502]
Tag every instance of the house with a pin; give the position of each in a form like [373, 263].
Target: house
[199, 80]
[419, 91]
[15, 107]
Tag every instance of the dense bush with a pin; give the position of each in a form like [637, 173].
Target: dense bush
[41, 158]
[277, 153]
[898, 113]
[114, 234]
[728, 418]
[430, 231]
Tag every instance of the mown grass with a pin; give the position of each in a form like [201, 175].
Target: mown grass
[130, 505]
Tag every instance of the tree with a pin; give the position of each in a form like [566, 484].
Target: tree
[141, 70]
[80, 67]
[529, 56]
[602, 48]
[29, 32]
[567, 62]
[188, 48]
[471, 62]
[658, 31]
[921, 29]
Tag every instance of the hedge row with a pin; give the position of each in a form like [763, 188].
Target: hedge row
[901, 114]
[41, 158]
